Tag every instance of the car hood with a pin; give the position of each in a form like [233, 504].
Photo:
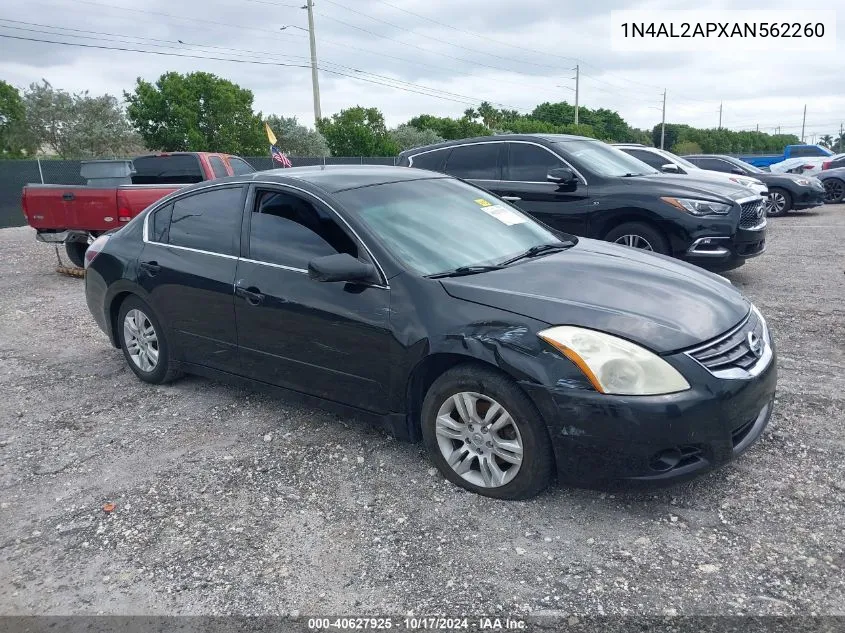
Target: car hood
[681, 186]
[660, 303]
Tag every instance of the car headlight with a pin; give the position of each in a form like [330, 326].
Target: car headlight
[698, 207]
[614, 365]
[803, 182]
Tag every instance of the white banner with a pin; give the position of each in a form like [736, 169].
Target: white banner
[723, 30]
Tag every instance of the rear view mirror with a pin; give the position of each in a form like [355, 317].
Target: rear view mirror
[339, 267]
[562, 176]
[670, 168]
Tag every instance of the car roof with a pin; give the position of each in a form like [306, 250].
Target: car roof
[549, 138]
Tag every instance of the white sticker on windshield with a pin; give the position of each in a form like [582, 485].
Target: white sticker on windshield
[504, 215]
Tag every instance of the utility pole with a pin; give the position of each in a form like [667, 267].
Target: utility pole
[720, 115]
[803, 122]
[577, 81]
[315, 81]
[758, 127]
[663, 123]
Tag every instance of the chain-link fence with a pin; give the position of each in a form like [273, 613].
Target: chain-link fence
[14, 174]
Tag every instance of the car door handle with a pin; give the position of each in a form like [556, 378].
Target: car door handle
[68, 196]
[151, 268]
[252, 295]
[511, 198]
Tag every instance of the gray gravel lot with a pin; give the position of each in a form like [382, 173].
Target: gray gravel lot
[228, 501]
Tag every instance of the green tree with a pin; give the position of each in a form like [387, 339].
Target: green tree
[686, 147]
[826, 141]
[295, 139]
[12, 122]
[358, 132]
[407, 137]
[490, 116]
[196, 112]
[77, 125]
[450, 129]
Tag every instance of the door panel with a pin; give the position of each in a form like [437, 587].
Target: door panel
[326, 339]
[192, 292]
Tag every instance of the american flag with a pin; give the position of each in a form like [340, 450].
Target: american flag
[279, 157]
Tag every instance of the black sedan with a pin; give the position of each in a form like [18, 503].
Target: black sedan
[833, 181]
[787, 192]
[446, 314]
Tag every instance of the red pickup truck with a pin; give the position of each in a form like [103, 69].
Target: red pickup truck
[76, 214]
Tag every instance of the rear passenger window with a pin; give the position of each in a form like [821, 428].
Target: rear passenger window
[167, 169]
[479, 161]
[160, 226]
[217, 167]
[288, 230]
[240, 166]
[208, 221]
[430, 160]
[530, 163]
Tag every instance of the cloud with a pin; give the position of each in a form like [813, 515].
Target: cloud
[514, 54]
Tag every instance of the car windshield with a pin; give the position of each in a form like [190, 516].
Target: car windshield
[743, 165]
[438, 225]
[604, 160]
[683, 162]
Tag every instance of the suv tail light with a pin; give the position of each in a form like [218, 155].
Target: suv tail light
[826, 164]
[124, 211]
[95, 248]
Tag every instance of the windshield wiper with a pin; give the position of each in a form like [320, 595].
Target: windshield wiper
[465, 270]
[540, 249]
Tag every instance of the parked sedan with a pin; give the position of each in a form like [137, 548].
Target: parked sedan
[447, 315]
[787, 192]
[833, 181]
[669, 163]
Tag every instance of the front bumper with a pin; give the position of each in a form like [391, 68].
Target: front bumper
[808, 197]
[600, 438]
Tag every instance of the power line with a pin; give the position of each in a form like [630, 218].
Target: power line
[370, 78]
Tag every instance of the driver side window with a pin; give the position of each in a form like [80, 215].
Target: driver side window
[290, 230]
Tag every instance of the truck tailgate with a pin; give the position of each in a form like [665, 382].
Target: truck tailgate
[61, 207]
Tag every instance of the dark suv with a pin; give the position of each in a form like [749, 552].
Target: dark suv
[585, 187]
[787, 192]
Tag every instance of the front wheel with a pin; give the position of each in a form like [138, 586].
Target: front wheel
[484, 434]
[639, 235]
[778, 203]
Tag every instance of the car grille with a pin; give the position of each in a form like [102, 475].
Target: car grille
[733, 350]
[752, 213]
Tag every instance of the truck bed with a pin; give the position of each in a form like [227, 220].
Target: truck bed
[59, 208]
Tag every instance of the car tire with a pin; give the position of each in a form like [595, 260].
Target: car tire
[76, 253]
[778, 203]
[484, 456]
[144, 342]
[834, 190]
[639, 235]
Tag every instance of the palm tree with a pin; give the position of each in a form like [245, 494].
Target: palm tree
[470, 114]
[826, 141]
[489, 115]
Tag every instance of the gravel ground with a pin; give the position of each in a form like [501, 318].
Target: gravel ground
[231, 502]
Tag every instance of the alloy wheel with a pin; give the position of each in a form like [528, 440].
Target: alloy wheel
[833, 190]
[775, 203]
[479, 439]
[141, 340]
[634, 241]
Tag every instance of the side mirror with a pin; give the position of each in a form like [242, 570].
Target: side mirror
[339, 267]
[670, 168]
[737, 170]
[562, 176]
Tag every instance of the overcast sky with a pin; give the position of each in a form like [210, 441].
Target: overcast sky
[515, 53]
